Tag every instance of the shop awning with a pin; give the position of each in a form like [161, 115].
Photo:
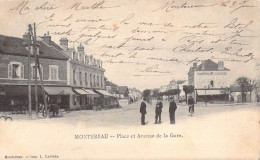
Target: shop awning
[80, 91]
[104, 92]
[16, 90]
[89, 91]
[58, 90]
[209, 92]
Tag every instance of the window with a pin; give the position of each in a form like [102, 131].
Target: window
[74, 76]
[53, 72]
[38, 73]
[101, 80]
[90, 77]
[94, 80]
[86, 59]
[80, 78]
[86, 78]
[15, 70]
[211, 83]
[98, 81]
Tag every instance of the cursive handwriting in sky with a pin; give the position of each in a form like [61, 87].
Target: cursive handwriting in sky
[145, 44]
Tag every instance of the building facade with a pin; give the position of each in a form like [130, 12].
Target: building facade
[85, 75]
[14, 71]
[208, 79]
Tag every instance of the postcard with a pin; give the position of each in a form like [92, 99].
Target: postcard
[129, 79]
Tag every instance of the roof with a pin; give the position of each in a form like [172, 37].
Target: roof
[108, 83]
[122, 89]
[210, 66]
[15, 46]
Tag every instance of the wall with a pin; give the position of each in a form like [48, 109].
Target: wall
[78, 67]
[203, 78]
[6, 59]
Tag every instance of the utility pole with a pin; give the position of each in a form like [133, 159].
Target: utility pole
[37, 65]
[43, 91]
[29, 72]
[35, 71]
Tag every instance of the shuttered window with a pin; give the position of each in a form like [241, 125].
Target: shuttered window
[15, 70]
[38, 73]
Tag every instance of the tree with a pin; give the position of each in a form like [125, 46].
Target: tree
[146, 94]
[156, 92]
[187, 90]
[244, 84]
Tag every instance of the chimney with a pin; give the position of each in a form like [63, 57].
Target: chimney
[47, 38]
[64, 43]
[220, 65]
[80, 49]
[195, 64]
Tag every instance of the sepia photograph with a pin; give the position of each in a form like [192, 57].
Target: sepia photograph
[129, 79]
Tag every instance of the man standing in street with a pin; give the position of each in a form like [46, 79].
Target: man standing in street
[158, 110]
[191, 105]
[172, 109]
[143, 111]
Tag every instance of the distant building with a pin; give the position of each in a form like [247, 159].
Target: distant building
[134, 94]
[122, 92]
[236, 94]
[111, 88]
[172, 85]
[182, 94]
[208, 79]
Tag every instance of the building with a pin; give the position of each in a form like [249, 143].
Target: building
[122, 92]
[14, 73]
[208, 79]
[85, 76]
[172, 85]
[182, 95]
[134, 94]
[111, 88]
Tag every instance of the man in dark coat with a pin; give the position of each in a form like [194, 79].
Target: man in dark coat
[191, 104]
[158, 110]
[172, 109]
[143, 111]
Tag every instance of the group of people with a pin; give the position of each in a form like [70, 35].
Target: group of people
[158, 110]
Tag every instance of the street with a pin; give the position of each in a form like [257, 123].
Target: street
[216, 132]
[130, 115]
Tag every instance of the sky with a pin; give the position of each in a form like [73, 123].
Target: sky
[146, 44]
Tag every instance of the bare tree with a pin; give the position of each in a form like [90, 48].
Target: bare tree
[243, 83]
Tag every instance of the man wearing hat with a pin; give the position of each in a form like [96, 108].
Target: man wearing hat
[172, 109]
[143, 111]
[158, 110]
